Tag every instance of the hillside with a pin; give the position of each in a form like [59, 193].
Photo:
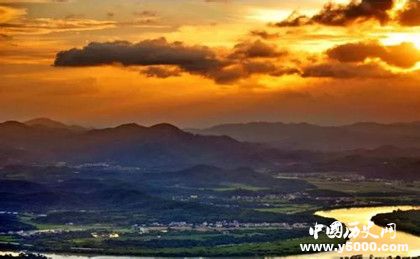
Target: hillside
[325, 138]
[158, 146]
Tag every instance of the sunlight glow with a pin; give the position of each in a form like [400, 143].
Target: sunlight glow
[398, 6]
[269, 15]
[399, 37]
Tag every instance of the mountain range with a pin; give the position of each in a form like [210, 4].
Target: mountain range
[364, 135]
[48, 123]
[385, 150]
[159, 146]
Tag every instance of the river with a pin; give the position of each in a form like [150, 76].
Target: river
[363, 216]
[346, 216]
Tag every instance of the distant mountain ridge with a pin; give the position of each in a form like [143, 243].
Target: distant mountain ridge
[321, 138]
[161, 145]
[48, 123]
[368, 147]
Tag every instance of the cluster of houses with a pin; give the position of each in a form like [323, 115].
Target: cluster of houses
[8, 213]
[212, 226]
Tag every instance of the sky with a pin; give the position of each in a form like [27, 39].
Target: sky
[196, 63]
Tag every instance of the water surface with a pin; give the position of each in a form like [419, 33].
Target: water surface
[363, 216]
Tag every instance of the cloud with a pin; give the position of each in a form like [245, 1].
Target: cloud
[164, 59]
[4, 37]
[256, 49]
[346, 71]
[32, 1]
[144, 53]
[341, 15]
[410, 15]
[9, 14]
[243, 60]
[161, 71]
[265, 35]
[294, 20]
[145, 13]
[217, 1]
[405, 55]
[364, 60]
[237, 71]
[13, 21]
[158, 52]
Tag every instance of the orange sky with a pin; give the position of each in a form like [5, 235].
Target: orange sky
[195, 63]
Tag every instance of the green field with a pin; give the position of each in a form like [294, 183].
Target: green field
[7, 238]
[232, 187]
[365, 186]
[291, 208]
[272, 248]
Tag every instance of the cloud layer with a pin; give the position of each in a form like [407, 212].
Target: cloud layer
[243, 60]
[404, 55]
[163, 59]
[346, 71]
[410, 15]
[358, 11]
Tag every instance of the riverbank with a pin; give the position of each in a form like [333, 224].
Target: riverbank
[285, 248]
[407, 221]
[278, 248]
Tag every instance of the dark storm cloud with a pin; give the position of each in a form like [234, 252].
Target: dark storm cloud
[404, 55]
[194, 59]
[242, 62]
[341, 15]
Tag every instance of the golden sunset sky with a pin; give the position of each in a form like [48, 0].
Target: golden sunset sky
[196, 63]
